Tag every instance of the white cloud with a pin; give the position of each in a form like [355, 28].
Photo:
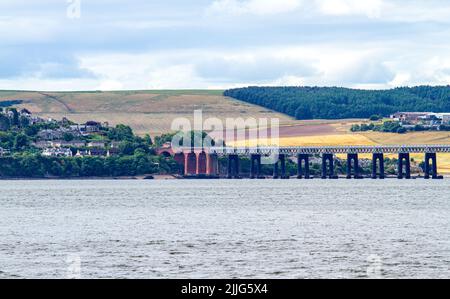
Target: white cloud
[198, 68]
[110, 85]
[353, 65]
[256, 7]
[353, 43]
[369, 8]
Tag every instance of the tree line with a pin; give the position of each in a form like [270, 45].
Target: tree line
[36, 166]
[134, 155]
[395, 127]
[340, 103]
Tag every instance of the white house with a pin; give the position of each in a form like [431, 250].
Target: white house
[57, 152]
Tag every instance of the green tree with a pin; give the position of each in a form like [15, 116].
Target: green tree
[68, 136]
[4, 123]
[30, 166]
[127, 148]
[121, 133]
[21, 141]
[375, 117]
[24, 122]
[148, 140]
[71, 168]
[15, 118]
[56, 169]
[401, 130]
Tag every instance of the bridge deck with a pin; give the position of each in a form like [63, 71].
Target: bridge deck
[385, 149]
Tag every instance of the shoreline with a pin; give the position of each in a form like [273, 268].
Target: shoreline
[175, 177]
[119, 178]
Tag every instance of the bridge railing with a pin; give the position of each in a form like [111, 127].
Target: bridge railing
[385, 149]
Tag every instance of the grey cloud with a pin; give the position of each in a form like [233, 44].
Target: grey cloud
[258, 69]
[371, 71]
[19, 62]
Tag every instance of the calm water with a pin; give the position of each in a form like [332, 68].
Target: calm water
[225, 229]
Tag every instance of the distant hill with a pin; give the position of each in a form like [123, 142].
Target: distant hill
[145, 111]
[340, 103]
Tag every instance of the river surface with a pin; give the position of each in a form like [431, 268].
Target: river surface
[225, 229]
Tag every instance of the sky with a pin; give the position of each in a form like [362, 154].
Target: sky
[218, 44]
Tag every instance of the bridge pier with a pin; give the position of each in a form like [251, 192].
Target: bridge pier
[431, 166]
[378, 159]
[404, 163]
[353, 164]
[255, 169]
[233, 167]
[328, 166]
[212, 165]
[284, 175]
[190, 164]
[276, 172]
[204, 161]
[280, 165]
[180, 159]
[201, 164]
[300, 159]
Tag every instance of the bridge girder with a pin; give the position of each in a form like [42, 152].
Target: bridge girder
[313, 150]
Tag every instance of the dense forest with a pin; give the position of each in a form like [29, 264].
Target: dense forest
[338, 103]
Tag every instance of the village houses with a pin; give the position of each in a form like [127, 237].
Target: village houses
[427, 119]
[57, 152]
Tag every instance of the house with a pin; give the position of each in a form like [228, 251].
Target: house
[4, 152]
[93, 127]
[445, 118]
[42, 144]
[112, 152]
[73, 143]
[50, 134]
[431, 119]
[25, 112]
[97, 144]
[57, 152]
[36, 120]
[82, 153]
[410, 117]
[87, 129]
[96, 152]
[115, 144]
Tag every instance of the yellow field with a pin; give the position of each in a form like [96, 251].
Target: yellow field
[326, 140]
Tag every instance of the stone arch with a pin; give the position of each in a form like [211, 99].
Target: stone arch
[165, 154]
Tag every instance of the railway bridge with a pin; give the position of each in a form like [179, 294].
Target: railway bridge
[200, 162]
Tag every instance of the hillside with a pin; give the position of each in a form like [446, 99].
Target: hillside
[339, 103]
[145, 111]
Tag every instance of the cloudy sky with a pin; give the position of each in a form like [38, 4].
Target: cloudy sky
[172, 44]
